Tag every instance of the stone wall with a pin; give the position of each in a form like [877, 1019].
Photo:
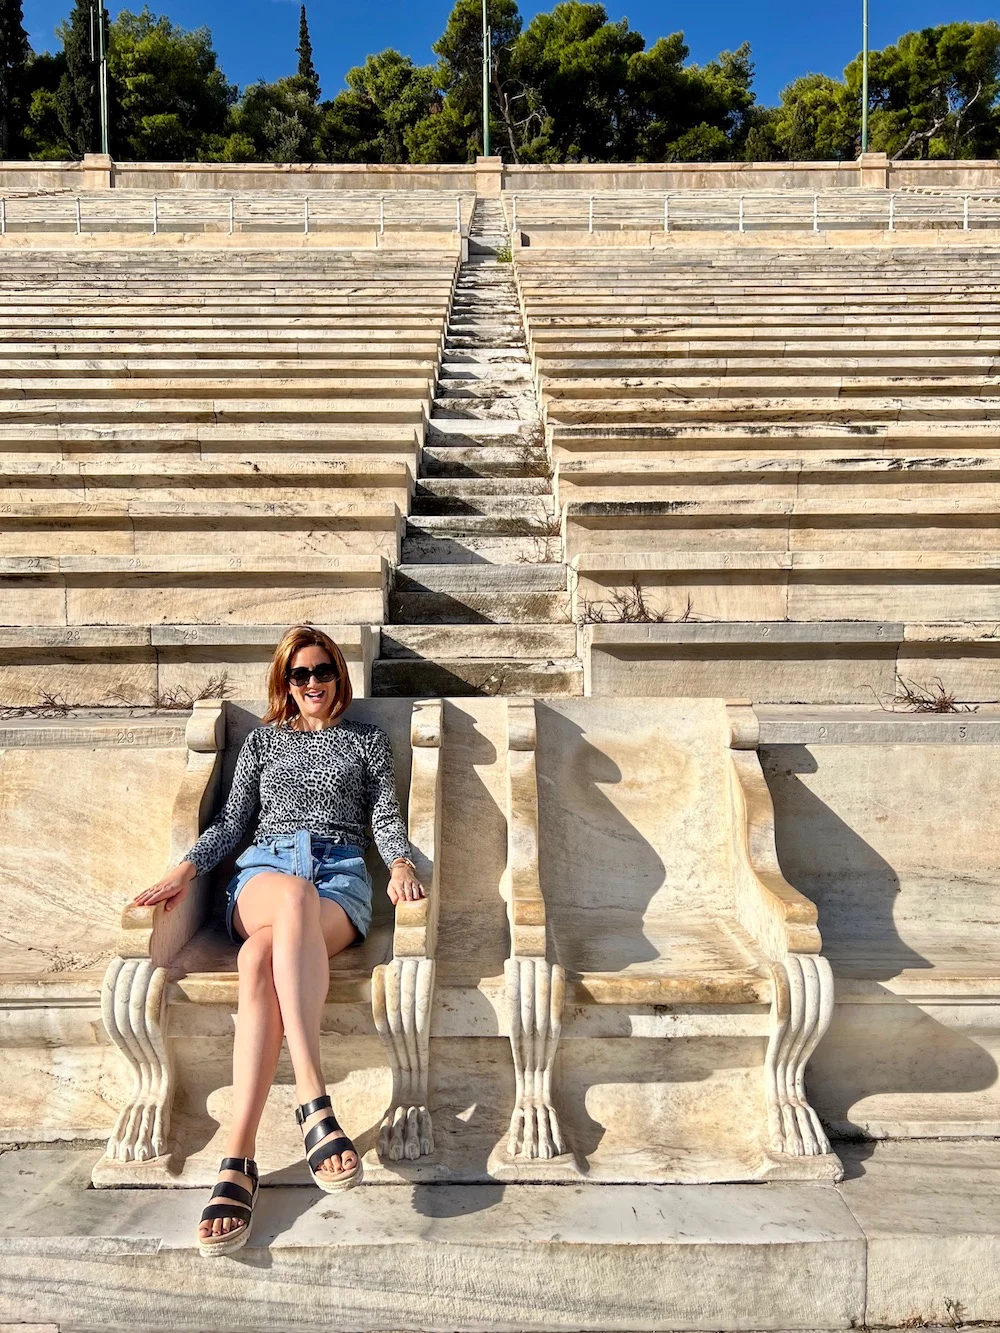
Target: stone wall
[489, 176]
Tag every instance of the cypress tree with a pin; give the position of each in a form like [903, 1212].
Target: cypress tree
[308, 77]
[77, 99]
[14, 52]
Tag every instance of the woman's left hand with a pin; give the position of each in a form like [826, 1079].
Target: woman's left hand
[404, 885]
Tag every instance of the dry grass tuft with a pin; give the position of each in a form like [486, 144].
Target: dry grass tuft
[629, 607]
[176, 699]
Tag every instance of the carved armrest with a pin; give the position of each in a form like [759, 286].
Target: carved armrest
[780, 918]
[522, 888]
[415, 934]
[153, 932]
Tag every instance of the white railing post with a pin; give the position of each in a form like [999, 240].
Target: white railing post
[815, 212]
[666, 212]
[381, 214]
[3, 217]
[232, 216]
[965, 214]
[742, 219]
[305, 215]
[79, 218]
[458, 215]
[513, 211]
[156, 216]
[590, 215]
[892, 212]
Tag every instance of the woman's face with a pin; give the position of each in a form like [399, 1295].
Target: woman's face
[313, 698]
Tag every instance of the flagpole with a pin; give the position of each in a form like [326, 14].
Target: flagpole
[487, 55]
[864, 80]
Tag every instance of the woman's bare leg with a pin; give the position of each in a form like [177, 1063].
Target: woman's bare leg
[255, 1058]
[306, 931]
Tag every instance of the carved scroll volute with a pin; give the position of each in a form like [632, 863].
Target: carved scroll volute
[403, 989]
[535, 988]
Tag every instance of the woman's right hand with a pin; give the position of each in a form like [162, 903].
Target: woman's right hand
[169, 890]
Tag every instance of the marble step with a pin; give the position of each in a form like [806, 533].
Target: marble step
[476, 510]
[456, 495]
[481, 407]
[458, 678]
[480, 593]
[463, 463]
[477, 642]
[480, 547]
[447, 432]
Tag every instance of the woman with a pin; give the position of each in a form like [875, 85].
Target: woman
[302, 893]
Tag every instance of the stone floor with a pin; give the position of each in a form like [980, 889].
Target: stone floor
[911, 1237]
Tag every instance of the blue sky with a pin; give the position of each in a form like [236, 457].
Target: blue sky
[257, 38]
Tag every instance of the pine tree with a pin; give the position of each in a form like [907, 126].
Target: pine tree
[77, 99]
[308, 78]
[14, 52]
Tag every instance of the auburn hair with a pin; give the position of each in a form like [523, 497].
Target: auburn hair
[281, 707]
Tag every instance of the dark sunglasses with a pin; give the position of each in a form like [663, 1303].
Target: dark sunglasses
[300, 676]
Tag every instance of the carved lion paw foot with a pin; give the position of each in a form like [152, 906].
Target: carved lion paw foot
[406, 1133]
[534, 1131]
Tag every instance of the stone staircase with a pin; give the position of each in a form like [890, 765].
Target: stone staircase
[480, 600]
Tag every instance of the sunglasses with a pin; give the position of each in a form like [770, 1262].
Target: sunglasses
[300, 676]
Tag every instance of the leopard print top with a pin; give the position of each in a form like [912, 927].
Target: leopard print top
[335, 783]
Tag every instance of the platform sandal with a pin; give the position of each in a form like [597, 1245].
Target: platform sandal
[241, 1199]
[343, 1180]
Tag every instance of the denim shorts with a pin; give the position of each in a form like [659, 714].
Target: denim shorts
[338, 871]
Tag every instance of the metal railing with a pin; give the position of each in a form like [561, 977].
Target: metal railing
[181, 211]
[691, 210]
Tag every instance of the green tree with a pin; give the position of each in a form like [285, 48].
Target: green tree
[306, 74]
[819, 120]
[77, 104]
[513, 116]
[935, 93]
[44, 137]
[574, 66]
[272, 122]
[14, 54]
[171, 92]
[374, 118]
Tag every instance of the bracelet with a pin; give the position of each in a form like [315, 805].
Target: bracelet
[403, 860]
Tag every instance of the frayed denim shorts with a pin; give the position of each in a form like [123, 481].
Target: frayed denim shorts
[338, 871]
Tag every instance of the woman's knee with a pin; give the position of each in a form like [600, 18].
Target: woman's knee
[296, 895]
[254, 959]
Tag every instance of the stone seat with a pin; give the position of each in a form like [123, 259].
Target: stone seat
[143, 663]
[865, 407]
[137, 590]
[886, 821]
[228, 477]
[829, 662]
[145, 527]
[622, 456]
[797, 585]
[640, 878]
[874, 523]
[683, 959]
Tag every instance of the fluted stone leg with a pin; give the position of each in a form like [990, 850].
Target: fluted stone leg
[535, 993]
[402, 993]
[133, 1008]
[800, 1014]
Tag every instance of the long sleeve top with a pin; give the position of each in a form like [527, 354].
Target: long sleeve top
[336, 783]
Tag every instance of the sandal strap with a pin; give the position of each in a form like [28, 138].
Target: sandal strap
[303, 1112]
[228, 1189]
[215, 1210]
[247, 1165]
[331, 1149]
[328, 1125]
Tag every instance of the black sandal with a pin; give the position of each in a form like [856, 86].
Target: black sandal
[343, 1180]
[242, 1198]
